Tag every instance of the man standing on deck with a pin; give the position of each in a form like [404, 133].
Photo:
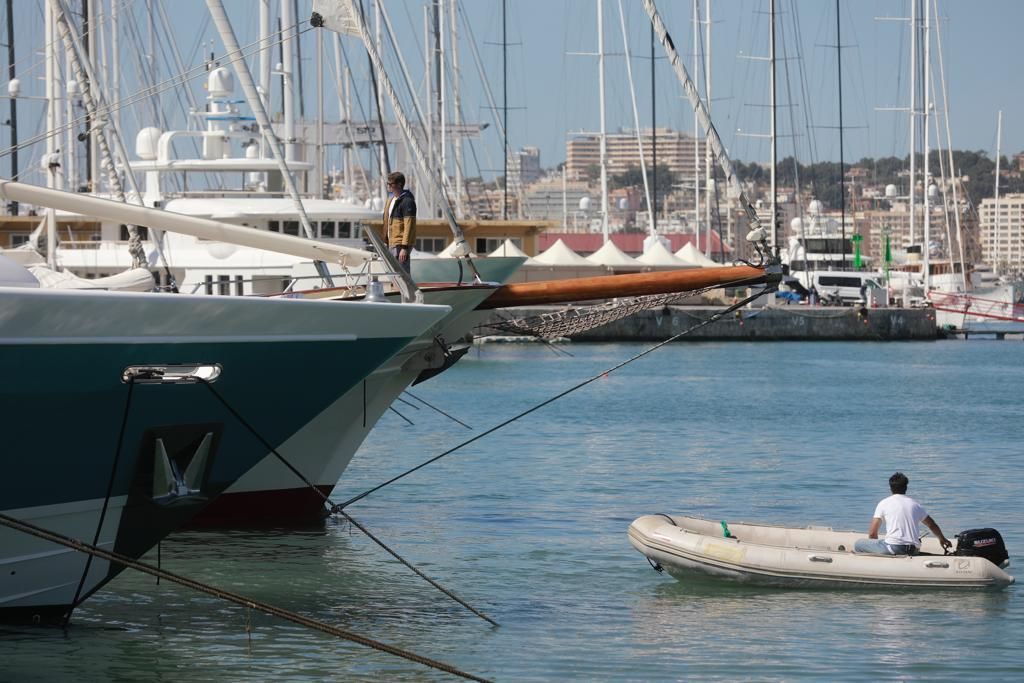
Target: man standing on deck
[400, 219]
[901, 514]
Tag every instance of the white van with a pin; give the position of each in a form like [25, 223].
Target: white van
[850, 286]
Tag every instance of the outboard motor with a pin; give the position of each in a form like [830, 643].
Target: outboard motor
[985, 543]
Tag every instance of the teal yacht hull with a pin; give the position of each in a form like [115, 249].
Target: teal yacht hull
[272, 494]
[113, 441]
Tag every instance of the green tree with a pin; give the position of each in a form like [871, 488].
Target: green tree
[632, 177]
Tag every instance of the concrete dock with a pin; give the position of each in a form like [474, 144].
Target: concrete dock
[782, 323]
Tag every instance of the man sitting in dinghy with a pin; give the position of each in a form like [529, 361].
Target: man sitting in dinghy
[901, 515]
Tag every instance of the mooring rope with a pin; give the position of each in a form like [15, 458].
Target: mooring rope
[418, 572]
[337, 510]
[106, 499]
[408, 403]
[395, 411]
[294, 617]
[580, 385]
[436, 409]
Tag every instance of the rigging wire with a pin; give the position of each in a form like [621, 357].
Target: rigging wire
[562, 394]
[787, 78]
[436, 409]
[28, 64]
[173, 81]
[326, 499]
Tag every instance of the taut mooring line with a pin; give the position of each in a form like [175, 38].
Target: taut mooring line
[435, 408]
[713, 318]
[336, 509]
[417, 571]
[287, 615]
[392, 409]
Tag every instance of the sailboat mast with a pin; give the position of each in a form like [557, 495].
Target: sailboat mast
[287, 33]
[952, 167]
[653, 208]
[13, 101]
[696, 125]
[440, 31]
[842, 169]
[321, 160]
[707, 150]
[266, 47]
[636, 114]
[114, 84]
[926, 71]
[604, 132]
[235, 56]
[383, 159]
[53, 176]
[265, 54]
[713, 140]
[999, 153]
[453, 49]
[504, 102]
[428, 82]
[774, 151]
[913, 119]
[89, 33]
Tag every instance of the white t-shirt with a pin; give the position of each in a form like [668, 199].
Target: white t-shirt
[901, 514]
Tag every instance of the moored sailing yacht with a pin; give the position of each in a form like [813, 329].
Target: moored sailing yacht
[323, 449]
[160, 403]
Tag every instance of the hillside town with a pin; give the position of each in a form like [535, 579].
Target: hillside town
[877, 200]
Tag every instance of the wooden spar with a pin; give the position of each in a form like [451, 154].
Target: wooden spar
[611, 286]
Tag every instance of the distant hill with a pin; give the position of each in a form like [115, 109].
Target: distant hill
[822, 179]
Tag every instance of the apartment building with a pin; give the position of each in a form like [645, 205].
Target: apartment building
[675, 150]
[523, 168]
[1002, 236]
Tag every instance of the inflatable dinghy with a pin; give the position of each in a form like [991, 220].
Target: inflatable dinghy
[761, 554]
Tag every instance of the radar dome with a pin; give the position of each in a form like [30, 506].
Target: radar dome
[220, 83]
[796, 225]
[623, 203]
[146, 143]
[584, 203]
[891, 191]
[14, 88]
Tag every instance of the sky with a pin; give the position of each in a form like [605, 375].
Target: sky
[553, 90]
[980, 42]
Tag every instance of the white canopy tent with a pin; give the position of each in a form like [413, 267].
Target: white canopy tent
[509, 248]
[611, 256]
[558, 254]
[691, 254]
[658, 255]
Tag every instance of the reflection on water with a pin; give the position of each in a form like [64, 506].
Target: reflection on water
[529, 525]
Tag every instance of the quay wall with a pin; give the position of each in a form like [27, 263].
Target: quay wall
[784, 323]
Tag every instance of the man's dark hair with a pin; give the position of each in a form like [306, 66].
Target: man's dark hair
[397, 178]
[898, 483]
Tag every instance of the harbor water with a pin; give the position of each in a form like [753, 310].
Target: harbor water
[529, 525]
